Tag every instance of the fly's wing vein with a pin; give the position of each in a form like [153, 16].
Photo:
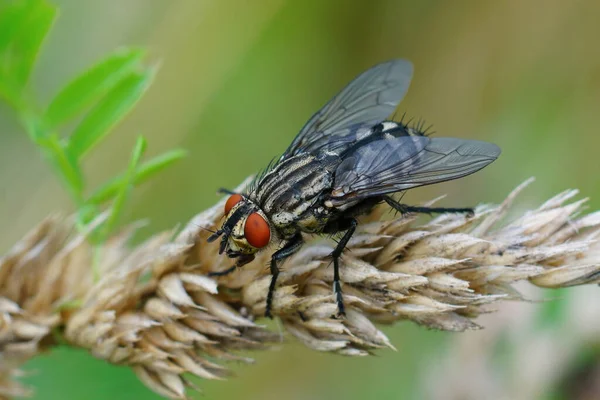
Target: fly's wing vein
[366, 101]
[401, 163]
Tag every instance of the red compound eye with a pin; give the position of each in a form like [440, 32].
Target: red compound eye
[257, 231]
[232, 201]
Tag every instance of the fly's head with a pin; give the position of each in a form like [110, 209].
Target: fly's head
[246, 230]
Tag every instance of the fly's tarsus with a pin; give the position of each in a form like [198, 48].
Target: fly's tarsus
[287, 250]
[225, 191]
[404, 209]
[336, 254]
[222, 273]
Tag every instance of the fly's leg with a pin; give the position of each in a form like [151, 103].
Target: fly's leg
[337, 252]
[224, 272]
[292, 246]
[403, 208]
[436, 210]
[225, 191]
[243, 259]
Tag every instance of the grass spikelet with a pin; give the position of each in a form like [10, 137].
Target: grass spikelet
[155, 309]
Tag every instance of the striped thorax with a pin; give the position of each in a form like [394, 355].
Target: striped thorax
[290, 194]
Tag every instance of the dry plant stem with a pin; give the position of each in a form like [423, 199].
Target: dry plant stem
[156, 310]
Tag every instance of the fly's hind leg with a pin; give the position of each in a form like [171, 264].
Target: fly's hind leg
[292, 246]
[336, 254]
[404, 209]
[225, 191]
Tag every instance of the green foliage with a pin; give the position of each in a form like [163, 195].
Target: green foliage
[92, 85]
[23, 27]
[100, 97]
[108, 112]
[124, 188]
[144, 172]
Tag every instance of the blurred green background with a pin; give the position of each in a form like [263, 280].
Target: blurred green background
[239, 78]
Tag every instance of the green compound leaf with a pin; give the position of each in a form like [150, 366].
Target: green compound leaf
[23, 28]
[106, 93]
[108, 112]
[92, 85]
[143, 173]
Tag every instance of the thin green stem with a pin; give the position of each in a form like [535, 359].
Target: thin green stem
[49, 143]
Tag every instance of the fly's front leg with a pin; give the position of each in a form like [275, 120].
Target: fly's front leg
[292, 246]
[225, 191]
[404, 209]
[243, 259]
[222, 273]
[337, 252]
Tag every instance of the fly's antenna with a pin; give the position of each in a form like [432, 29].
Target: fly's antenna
[223, 244]
[207, 230]
[227, 228]
[224, 239]
[214, 236]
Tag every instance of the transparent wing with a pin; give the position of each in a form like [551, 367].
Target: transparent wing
[396, 164]
[368, 100]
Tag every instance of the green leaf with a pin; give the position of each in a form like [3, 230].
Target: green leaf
[12, 16]
[126, 185]
[33, 34]
[11, 95]
[23, 27]
[90, 86]
[144, 172]
[111, 109]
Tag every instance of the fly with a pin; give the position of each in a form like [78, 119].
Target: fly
[347, 159]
